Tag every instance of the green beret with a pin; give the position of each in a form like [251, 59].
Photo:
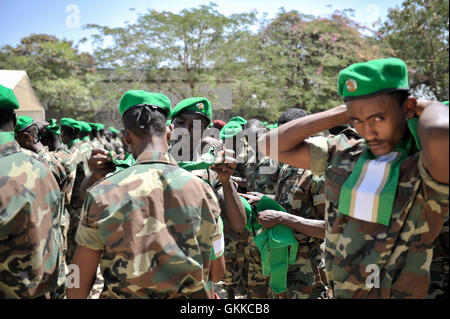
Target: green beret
[112, 129]
[239, 120]
[93, 126]
[8, 100]
[230, 130]
[198, 105]
[272, 126]
[53, 127]
[366, 79]
[67, 121]
[23, 122]
[445, 103]
[85, 127]
[99, 126]
[138, 97]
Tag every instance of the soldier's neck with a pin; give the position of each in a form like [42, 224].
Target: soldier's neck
[153, 145]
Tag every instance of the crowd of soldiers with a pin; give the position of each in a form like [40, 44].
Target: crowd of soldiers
[351, 202]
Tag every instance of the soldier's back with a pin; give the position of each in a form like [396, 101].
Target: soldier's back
[154, 222]
[31, 260]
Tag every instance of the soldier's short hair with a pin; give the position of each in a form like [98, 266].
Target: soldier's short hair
[69, 131]
[290, 115]
[400, 96]
[144, 121]
[7, 118]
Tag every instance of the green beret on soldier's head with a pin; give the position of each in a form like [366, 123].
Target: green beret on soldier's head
[8, 100]
[53, 127]
[375, 77]
[445, 103]
[239, 120]
[23, 122]
[230, 130]
[113, 130]
[85, 127]
[67, 121]
[93, 126]
[197, 105]
[100, 126]
[137, 98]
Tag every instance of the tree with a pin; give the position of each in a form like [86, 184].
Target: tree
[176, 50]
[58, 72]
[299, 58]
[419, 31]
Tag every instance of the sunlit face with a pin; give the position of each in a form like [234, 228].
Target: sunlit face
[379, 120]
[189, 122]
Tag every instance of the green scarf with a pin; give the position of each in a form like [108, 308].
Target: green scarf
[193, 166]
[278, 247]
[369, 192]
[122, 164]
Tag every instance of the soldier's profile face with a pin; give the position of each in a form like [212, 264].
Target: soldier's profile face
[379, 120]
[186, 121]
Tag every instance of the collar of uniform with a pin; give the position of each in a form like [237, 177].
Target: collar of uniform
[43, 150]
[8, 144]
[154, 156]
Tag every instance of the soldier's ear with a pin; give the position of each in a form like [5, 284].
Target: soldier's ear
[127, 136]
[169, 130]
[409, 107]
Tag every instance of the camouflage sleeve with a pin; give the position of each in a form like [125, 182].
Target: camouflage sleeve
[434, 191]
[87, 232]
[218, 247]
[431, 209]
[324, 148]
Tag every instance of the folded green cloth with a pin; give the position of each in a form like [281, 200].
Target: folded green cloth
[278, 247]
[193, 166]
[122, 164]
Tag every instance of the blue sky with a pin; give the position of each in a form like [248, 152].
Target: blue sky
[20, 18]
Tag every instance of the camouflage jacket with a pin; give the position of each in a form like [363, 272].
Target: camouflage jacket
[55, 166]
[69, 162]
[302, 194]
[261, 174]
[155, 223]
[31, 256]
[369, 260]
[96, 144]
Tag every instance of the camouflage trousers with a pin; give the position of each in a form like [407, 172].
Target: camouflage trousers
[257, 285]
[303, 278]
[439, 273]
[235, 268]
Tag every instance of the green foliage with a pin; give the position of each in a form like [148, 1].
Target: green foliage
[56, 70]
[292, 60]
[419, 31]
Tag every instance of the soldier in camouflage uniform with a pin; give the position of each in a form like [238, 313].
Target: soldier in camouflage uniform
[69, 135]
[51, 138]
[94, 136]
[115, 141]
[31, 257]
[27, 135]
[163, 217]
[261, 175]
[218, 176]
[301, 194]
[385, 249]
